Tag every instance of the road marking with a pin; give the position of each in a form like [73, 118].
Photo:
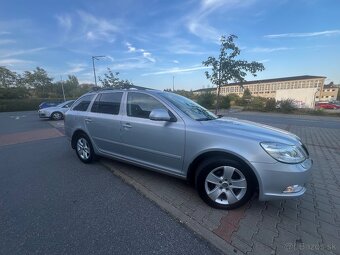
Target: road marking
[17, 117]
[29, 136]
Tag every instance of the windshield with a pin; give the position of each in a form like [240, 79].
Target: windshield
[65, 103]
[189, 107]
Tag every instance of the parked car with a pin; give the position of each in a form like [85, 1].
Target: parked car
[48, 104]
[327, 105]
[227, 159]
[55, 112]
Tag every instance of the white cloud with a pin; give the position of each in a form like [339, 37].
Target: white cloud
[14, 61]
[65, 21]
[175, 61]
[268, 50]
[4, 33]
[147, 55]
[177, 70]
[6, 41]
[77, 67]
[130, 48]
[197, 21]
[13, 53]
[97, 28]
[311, 34]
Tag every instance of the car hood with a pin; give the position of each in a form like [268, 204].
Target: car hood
[251, 130]
[50, 109]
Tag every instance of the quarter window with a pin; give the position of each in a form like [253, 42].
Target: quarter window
[108, 103]
[140, 105]
[83, 103]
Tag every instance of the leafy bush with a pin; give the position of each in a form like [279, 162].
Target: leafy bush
[256, 104]
[287, 106]
[225, 102]
[206, 100]
[270, 105]
[29, 104]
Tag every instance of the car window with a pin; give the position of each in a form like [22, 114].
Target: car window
[108, 103]
[83, 103]
[189, 107]
[140, 105]
[68, 105]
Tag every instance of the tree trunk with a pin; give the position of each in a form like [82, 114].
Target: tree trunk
[217, 98]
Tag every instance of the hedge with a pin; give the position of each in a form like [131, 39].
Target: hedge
[29, 104]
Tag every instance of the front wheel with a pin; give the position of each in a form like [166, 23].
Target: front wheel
[84, 149]
[56, 116]
[224, 183]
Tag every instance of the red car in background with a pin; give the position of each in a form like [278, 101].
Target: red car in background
[327, 105]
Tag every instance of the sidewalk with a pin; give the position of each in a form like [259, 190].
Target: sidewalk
[308, 225]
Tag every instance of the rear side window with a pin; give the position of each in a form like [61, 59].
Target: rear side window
[83, 103]
[108, 103]
[140, 105]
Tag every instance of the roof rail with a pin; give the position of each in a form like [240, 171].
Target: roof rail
[133, 87]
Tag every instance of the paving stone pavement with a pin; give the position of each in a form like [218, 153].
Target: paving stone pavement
[307, 225]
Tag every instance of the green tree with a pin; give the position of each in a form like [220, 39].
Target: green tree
[111, 80]
[40, 81]
[7, 78]
[206, 99]
[246, 94]
[227, 67]
[225, 102]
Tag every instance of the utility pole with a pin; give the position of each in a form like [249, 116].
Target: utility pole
[62, 87]
[94, 68]
[173, 83]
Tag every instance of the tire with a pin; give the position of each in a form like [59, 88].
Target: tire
[56, 116]
[224, 183]
[84, 149]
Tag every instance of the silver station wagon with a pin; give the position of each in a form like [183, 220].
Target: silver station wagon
[225, 158]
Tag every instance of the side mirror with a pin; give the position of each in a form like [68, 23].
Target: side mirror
[159, 115]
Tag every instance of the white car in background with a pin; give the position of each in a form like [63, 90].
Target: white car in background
[55, 112]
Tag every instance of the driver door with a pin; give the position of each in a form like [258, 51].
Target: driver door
[158, 144]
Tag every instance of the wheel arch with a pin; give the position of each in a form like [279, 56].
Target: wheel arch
[216, 153]
[75, 135]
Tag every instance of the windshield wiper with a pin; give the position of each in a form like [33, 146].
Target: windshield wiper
[204, 119]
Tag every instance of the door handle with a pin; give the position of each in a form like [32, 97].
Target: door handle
[88, 120]
[127, 125]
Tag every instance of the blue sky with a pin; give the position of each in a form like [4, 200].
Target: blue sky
[149, 42]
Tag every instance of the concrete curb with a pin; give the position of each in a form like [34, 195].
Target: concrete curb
[203, 232]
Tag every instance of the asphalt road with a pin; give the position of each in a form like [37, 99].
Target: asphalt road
[51, 203]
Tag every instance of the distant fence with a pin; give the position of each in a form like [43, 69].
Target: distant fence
[29, 104]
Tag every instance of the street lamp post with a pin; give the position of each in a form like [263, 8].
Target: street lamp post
[94, 68]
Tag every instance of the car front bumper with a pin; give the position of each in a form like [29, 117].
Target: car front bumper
[279, 180]
[44, 115]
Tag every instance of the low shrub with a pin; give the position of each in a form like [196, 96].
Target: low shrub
[286, 106]
[29, 104]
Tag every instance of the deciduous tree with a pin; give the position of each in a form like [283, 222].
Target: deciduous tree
[227, 67]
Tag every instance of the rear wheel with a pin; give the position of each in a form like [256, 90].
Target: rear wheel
[57, 116]
[224, 183]
[84, 149]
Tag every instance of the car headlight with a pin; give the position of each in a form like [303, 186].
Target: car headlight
[285, 153]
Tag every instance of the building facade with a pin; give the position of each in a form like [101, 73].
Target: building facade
[267, 88]
[329, 93]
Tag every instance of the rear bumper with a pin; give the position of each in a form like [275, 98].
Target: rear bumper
[280, 181]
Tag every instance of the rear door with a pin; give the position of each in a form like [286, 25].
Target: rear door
[157, 144]
[103, 122]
